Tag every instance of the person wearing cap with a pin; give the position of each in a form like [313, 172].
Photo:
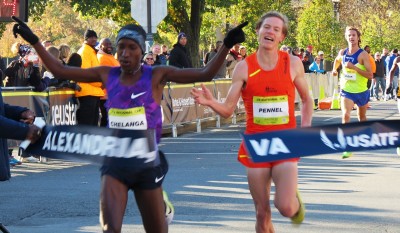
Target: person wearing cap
[308, 52]
[24, 71]
[179, 56]
[134, 102]
[89, 96]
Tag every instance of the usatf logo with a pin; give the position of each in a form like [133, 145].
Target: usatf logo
[361, 140]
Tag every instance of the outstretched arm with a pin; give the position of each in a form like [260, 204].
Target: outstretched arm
[58, 69]
[203, 96]
[206, 73]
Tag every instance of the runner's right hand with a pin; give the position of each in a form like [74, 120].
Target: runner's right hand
[22, 29]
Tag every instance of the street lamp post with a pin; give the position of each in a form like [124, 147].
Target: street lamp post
[336, 6]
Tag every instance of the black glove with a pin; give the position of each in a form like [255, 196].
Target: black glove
[25, 32]
[234, 36]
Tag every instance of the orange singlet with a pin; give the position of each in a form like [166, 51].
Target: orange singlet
[269, 102]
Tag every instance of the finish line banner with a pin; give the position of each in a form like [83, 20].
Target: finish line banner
[136, 149]
[294, 143]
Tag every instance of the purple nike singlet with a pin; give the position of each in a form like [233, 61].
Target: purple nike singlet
[133, 107]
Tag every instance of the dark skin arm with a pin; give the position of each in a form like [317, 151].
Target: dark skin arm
[164, 74]
[160, 76]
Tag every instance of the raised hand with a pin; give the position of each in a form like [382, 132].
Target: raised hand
[234, 36]
[202, 96]
[24, 31]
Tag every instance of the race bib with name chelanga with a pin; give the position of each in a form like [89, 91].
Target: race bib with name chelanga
[130, 118]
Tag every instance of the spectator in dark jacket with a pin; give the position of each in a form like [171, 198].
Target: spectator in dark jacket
[379, 76]
[15, 123]
[24, 71]
[306, 64]
[179, 56]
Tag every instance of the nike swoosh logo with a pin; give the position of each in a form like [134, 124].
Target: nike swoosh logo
[133, 96]
[158, 179]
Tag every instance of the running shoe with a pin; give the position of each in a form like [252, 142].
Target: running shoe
[169, 209]
[347, 155]
[398, 150]
[14, 161]
[30, 159]
[299, 217]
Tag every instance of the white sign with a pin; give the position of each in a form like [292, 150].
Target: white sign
[139, 12]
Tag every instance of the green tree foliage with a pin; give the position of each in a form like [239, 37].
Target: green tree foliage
[317, 26]
[117, 10]
[379, 24]
[377, 21]
[222, 16]
[206, 21]
[61, 25]
[183, 16]
[252, 11]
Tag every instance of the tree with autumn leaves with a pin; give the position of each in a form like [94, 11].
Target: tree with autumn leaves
[205, 21]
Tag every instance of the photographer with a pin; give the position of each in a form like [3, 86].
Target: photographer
[24, 71]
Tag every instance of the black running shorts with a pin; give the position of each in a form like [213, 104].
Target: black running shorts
[149, 178]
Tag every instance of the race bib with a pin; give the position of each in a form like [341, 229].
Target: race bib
[349, 74]
[272, 110]
[131, 118]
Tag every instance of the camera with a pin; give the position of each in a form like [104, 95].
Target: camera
[23, 50]
[32, 57]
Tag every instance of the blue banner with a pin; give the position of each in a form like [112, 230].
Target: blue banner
[294, 143]
[136, 149]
